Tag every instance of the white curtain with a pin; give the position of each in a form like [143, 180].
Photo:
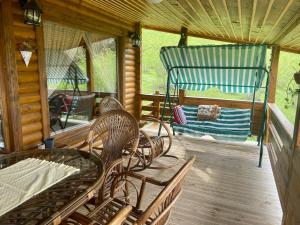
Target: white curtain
[61, 44]
[103, 55]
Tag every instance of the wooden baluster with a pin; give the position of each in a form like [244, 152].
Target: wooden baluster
[156, 103]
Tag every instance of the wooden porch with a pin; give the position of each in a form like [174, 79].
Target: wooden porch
[225, 186]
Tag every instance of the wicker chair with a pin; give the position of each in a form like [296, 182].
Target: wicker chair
[109, 103]
[157, 213]
[150, 147]
[111, 132]
[153, 146]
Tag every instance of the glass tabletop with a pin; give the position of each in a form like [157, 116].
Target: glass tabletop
[60, 200]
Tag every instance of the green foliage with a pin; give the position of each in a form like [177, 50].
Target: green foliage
[105, 69]
[154, 75]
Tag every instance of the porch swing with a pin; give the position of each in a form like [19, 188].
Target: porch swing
[231, 69]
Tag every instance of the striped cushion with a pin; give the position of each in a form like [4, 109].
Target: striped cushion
[179, 116]
[232, 124]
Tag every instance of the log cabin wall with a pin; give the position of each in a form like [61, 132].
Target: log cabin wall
[31, 96]
[23, 88]
[27, 87]
[129, 81]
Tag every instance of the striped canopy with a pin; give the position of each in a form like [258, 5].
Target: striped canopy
[68, 74]
[231, 68]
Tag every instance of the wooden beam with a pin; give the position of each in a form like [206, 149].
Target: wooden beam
[3, 93]
[89, 70]
[229, 18]
[274, 72]
[208, 16]
[10, 72]
[240, 18]
[297, 125]
[183, 37]
[68, 16]
[265, 18]
[81, 10]
[252, 18]
[218, 17]
[198, 35]
[121, 78]
[181, 96]
[138, 72]
[287, 29]
[282, 13]
[43, 81]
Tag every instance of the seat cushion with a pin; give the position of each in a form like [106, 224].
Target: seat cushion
[179, 116]
[231, 125]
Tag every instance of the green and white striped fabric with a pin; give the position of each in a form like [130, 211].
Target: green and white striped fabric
[231, 68]
[231, 125]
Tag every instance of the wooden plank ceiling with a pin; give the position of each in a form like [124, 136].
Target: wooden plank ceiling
[255, 21]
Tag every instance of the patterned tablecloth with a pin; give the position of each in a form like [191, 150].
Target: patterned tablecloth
[28, 178]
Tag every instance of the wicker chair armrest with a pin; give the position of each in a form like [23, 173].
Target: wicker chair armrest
[142, 178]
[163, 124]
[83, 145]
[139, 191]
[81, 219]
[121, 216]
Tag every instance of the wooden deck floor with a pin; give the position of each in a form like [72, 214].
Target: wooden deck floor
[225, 186]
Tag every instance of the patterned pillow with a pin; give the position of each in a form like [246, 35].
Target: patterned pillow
[179, 116]
[208, 112]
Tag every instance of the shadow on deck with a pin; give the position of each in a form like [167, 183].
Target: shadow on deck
[225, 185]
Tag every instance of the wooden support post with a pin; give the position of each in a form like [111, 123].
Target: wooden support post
[182, 95]
[3, 93]
[156, 103]
[297, 118]
[11, 75]
[121, 75]
[297, 125]
[138, 71]
[183, 37]
[274, 72]
[273, 83]
[89, 70]
[43, 81]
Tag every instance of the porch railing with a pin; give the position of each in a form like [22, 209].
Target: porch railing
[153, 105]
[280, 139]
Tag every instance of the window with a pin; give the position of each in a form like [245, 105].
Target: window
[105, 65]
[78, 64]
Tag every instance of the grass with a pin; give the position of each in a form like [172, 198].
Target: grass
[154, 75]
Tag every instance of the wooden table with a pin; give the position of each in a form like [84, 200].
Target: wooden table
[59, 201]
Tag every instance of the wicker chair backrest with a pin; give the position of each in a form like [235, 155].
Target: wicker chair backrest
[114, 130]
[109, 103]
